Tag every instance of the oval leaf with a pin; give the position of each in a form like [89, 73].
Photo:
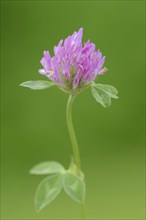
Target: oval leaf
[74, 187]
[101, 97]
[110, 90]
[37, 85]
[47, 191]
[47, 167]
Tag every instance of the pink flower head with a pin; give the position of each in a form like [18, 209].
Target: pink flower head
[73, 66]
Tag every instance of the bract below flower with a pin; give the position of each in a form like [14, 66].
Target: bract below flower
[73, 66]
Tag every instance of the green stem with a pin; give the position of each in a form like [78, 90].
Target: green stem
[73, 139]
[72, 132]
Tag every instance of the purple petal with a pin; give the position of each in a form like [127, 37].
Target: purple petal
[102, 70]
[42, 71]
[101, 62]
[76, 80]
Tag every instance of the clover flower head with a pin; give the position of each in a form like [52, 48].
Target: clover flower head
[73, 66]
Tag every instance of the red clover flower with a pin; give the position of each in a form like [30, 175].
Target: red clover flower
[73, 66]
[72, 69]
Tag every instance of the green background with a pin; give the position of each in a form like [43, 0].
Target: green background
[33, 122]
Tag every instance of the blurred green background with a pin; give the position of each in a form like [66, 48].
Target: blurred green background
[33, 122]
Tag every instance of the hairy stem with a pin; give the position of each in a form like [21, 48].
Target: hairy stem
[72, 134]
[73, 139]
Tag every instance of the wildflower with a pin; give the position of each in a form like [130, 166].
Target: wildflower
[73, 66]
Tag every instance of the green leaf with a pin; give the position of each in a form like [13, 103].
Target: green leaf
[47, 167]
[110, 90]
[103, 93]
[74, 187]
[101, 97]
[37, 85]
[47, 191]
